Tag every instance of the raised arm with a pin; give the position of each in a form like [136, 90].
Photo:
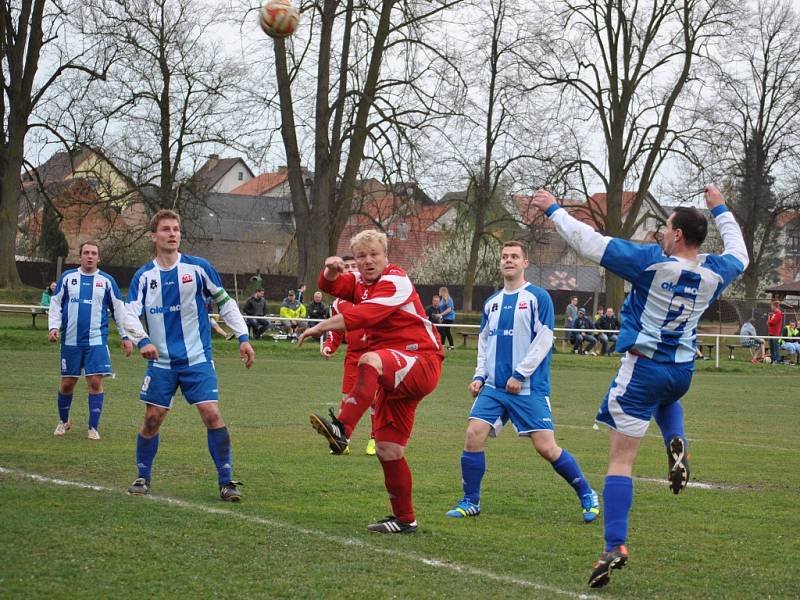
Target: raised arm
[731, 233]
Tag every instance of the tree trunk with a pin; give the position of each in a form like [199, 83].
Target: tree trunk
[615, 286]
[10, 190]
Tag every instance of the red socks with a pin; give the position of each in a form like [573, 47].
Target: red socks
[360, 399]
[397, 477]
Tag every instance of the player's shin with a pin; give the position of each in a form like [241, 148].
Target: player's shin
[64, 404]
[146, 449]
[360, 399]
[219, 446]
[617, 502]
[397, 478]
[566, 466]
[95, 409]
[669, 419]
[473, 467]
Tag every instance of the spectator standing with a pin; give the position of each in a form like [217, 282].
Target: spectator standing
[579, 337]
[572, 312]
[256, 306]
[756, 344]
[47, 294]
[607, 321]
[293, 309]
[434, 313]
[774, 328]
[301, 293]
[447, 310]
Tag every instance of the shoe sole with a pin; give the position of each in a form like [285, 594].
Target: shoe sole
[601, 579]
[130, 493]
[231, 499]
[318, 424]
[679, 474]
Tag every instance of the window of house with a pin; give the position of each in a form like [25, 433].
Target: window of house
[402, 231]
[794, 241]
[241, 175]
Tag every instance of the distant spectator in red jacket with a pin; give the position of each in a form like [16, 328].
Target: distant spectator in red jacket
[774, 326]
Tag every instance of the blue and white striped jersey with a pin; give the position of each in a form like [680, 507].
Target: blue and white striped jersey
[668, 294]
[80, 305]
[173, 302]
[516, 338]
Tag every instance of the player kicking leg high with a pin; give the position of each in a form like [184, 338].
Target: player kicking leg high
[356, 346]
[402, 365]
[672, 286]
[172, 293]
[512, 381]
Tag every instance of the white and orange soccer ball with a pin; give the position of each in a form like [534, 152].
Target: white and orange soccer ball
[278, 18]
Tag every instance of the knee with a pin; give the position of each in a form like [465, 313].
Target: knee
[67, 385]
[372, 359]
[548, 450]
[151, 425]
[387, 451]
[95, 387]
[474, 441]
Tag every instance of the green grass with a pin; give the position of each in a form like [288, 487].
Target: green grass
[299, 533]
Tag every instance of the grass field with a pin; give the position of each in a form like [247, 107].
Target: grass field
[299, 532]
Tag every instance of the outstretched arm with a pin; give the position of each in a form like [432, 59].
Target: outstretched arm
[732, 238]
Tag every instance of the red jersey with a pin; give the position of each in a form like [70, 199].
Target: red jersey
[356, 339]
[775, 322]
[389, 309]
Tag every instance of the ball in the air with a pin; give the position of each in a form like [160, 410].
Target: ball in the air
[278, 18]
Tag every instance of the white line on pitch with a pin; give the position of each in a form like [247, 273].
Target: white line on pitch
[431, 562]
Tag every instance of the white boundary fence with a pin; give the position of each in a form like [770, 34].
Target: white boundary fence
[715, 338]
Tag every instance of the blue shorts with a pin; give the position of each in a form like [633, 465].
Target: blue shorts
[640, 387]
[527, 413]
[198, 384]
[92, 360]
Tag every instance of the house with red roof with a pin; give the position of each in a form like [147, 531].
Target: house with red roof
[554, 265]
[412, 221]
[221, 174]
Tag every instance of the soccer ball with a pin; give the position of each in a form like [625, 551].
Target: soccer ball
[278, 18]
[767, 360]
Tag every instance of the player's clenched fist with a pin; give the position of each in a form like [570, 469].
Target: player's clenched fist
[333, 266]
[713, 197]
[475, 386]
[542, 200]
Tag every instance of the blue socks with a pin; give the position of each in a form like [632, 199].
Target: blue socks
[219, 445]
[146, 449]
[64, 404]
[568, 468]
[669, 419]
[95, 409]
[473, 466]
[617, 501]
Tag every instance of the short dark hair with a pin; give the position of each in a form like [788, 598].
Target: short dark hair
[692, 223]
[347, 257]
[259, 290]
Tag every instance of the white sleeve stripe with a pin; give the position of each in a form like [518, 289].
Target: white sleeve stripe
[403, 289]
[585, 240]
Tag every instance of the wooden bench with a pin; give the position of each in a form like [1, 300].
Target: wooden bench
[34, 311]
[707, 349]
[733, 347]
[465, 335]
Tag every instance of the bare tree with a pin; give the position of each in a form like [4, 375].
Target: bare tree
[619, 68]
[377, 74]
[752, 118]
[35, 56]
[170, 96]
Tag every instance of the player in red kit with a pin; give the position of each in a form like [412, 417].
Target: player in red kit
[402, 364]
[356, 341]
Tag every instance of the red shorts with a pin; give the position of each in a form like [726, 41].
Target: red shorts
[406, 380]
[350, 371]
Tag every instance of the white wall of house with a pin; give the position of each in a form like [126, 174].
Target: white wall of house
[235, 177]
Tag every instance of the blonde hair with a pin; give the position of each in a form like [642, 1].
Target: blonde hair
[369, 236]
[444, 293]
